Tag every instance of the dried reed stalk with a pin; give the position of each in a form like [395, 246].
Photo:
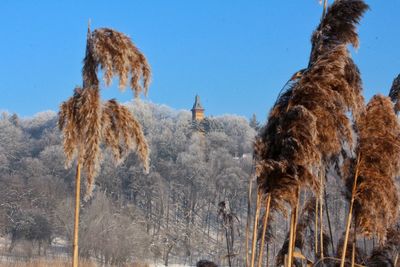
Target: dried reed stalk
[248, 219]
[289, 246]
[81, 116]
[321, 219]
[329, 221]
[305, 221]
[292, 234]
[350, 214]
[351, 251]
[264, 230]
[255, 227]
[75, 254]
[316, 227]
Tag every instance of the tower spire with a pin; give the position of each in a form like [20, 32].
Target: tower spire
[197, 110]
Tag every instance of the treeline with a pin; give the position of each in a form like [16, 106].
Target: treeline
[168, 215]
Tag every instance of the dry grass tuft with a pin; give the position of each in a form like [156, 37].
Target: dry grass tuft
[116, 55]
[376, 199]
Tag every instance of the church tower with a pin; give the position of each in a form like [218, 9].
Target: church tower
[197, 110]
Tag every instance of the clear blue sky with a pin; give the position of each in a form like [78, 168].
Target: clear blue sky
[235, 54]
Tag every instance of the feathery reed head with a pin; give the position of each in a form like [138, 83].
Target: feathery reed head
[330, 89]
[338, 26]
[394, 93]
[122, 133]
[86, 123]
[284, 152]
[309, 124]
[376, 199]
[79, 120]
[116, 55]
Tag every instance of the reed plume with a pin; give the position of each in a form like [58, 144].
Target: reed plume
[122, 133]
[309, 125]
[80, 122]
[116, 55]
[328, 92]
[376, 198]
[394, 93]
[87, 123]
[338, 26]
[283, 168]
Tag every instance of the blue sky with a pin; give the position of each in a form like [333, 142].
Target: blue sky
[235, 54]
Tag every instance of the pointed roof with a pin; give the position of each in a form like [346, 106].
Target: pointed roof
[197, 104]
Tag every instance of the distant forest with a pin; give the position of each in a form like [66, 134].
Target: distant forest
[170, 215]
